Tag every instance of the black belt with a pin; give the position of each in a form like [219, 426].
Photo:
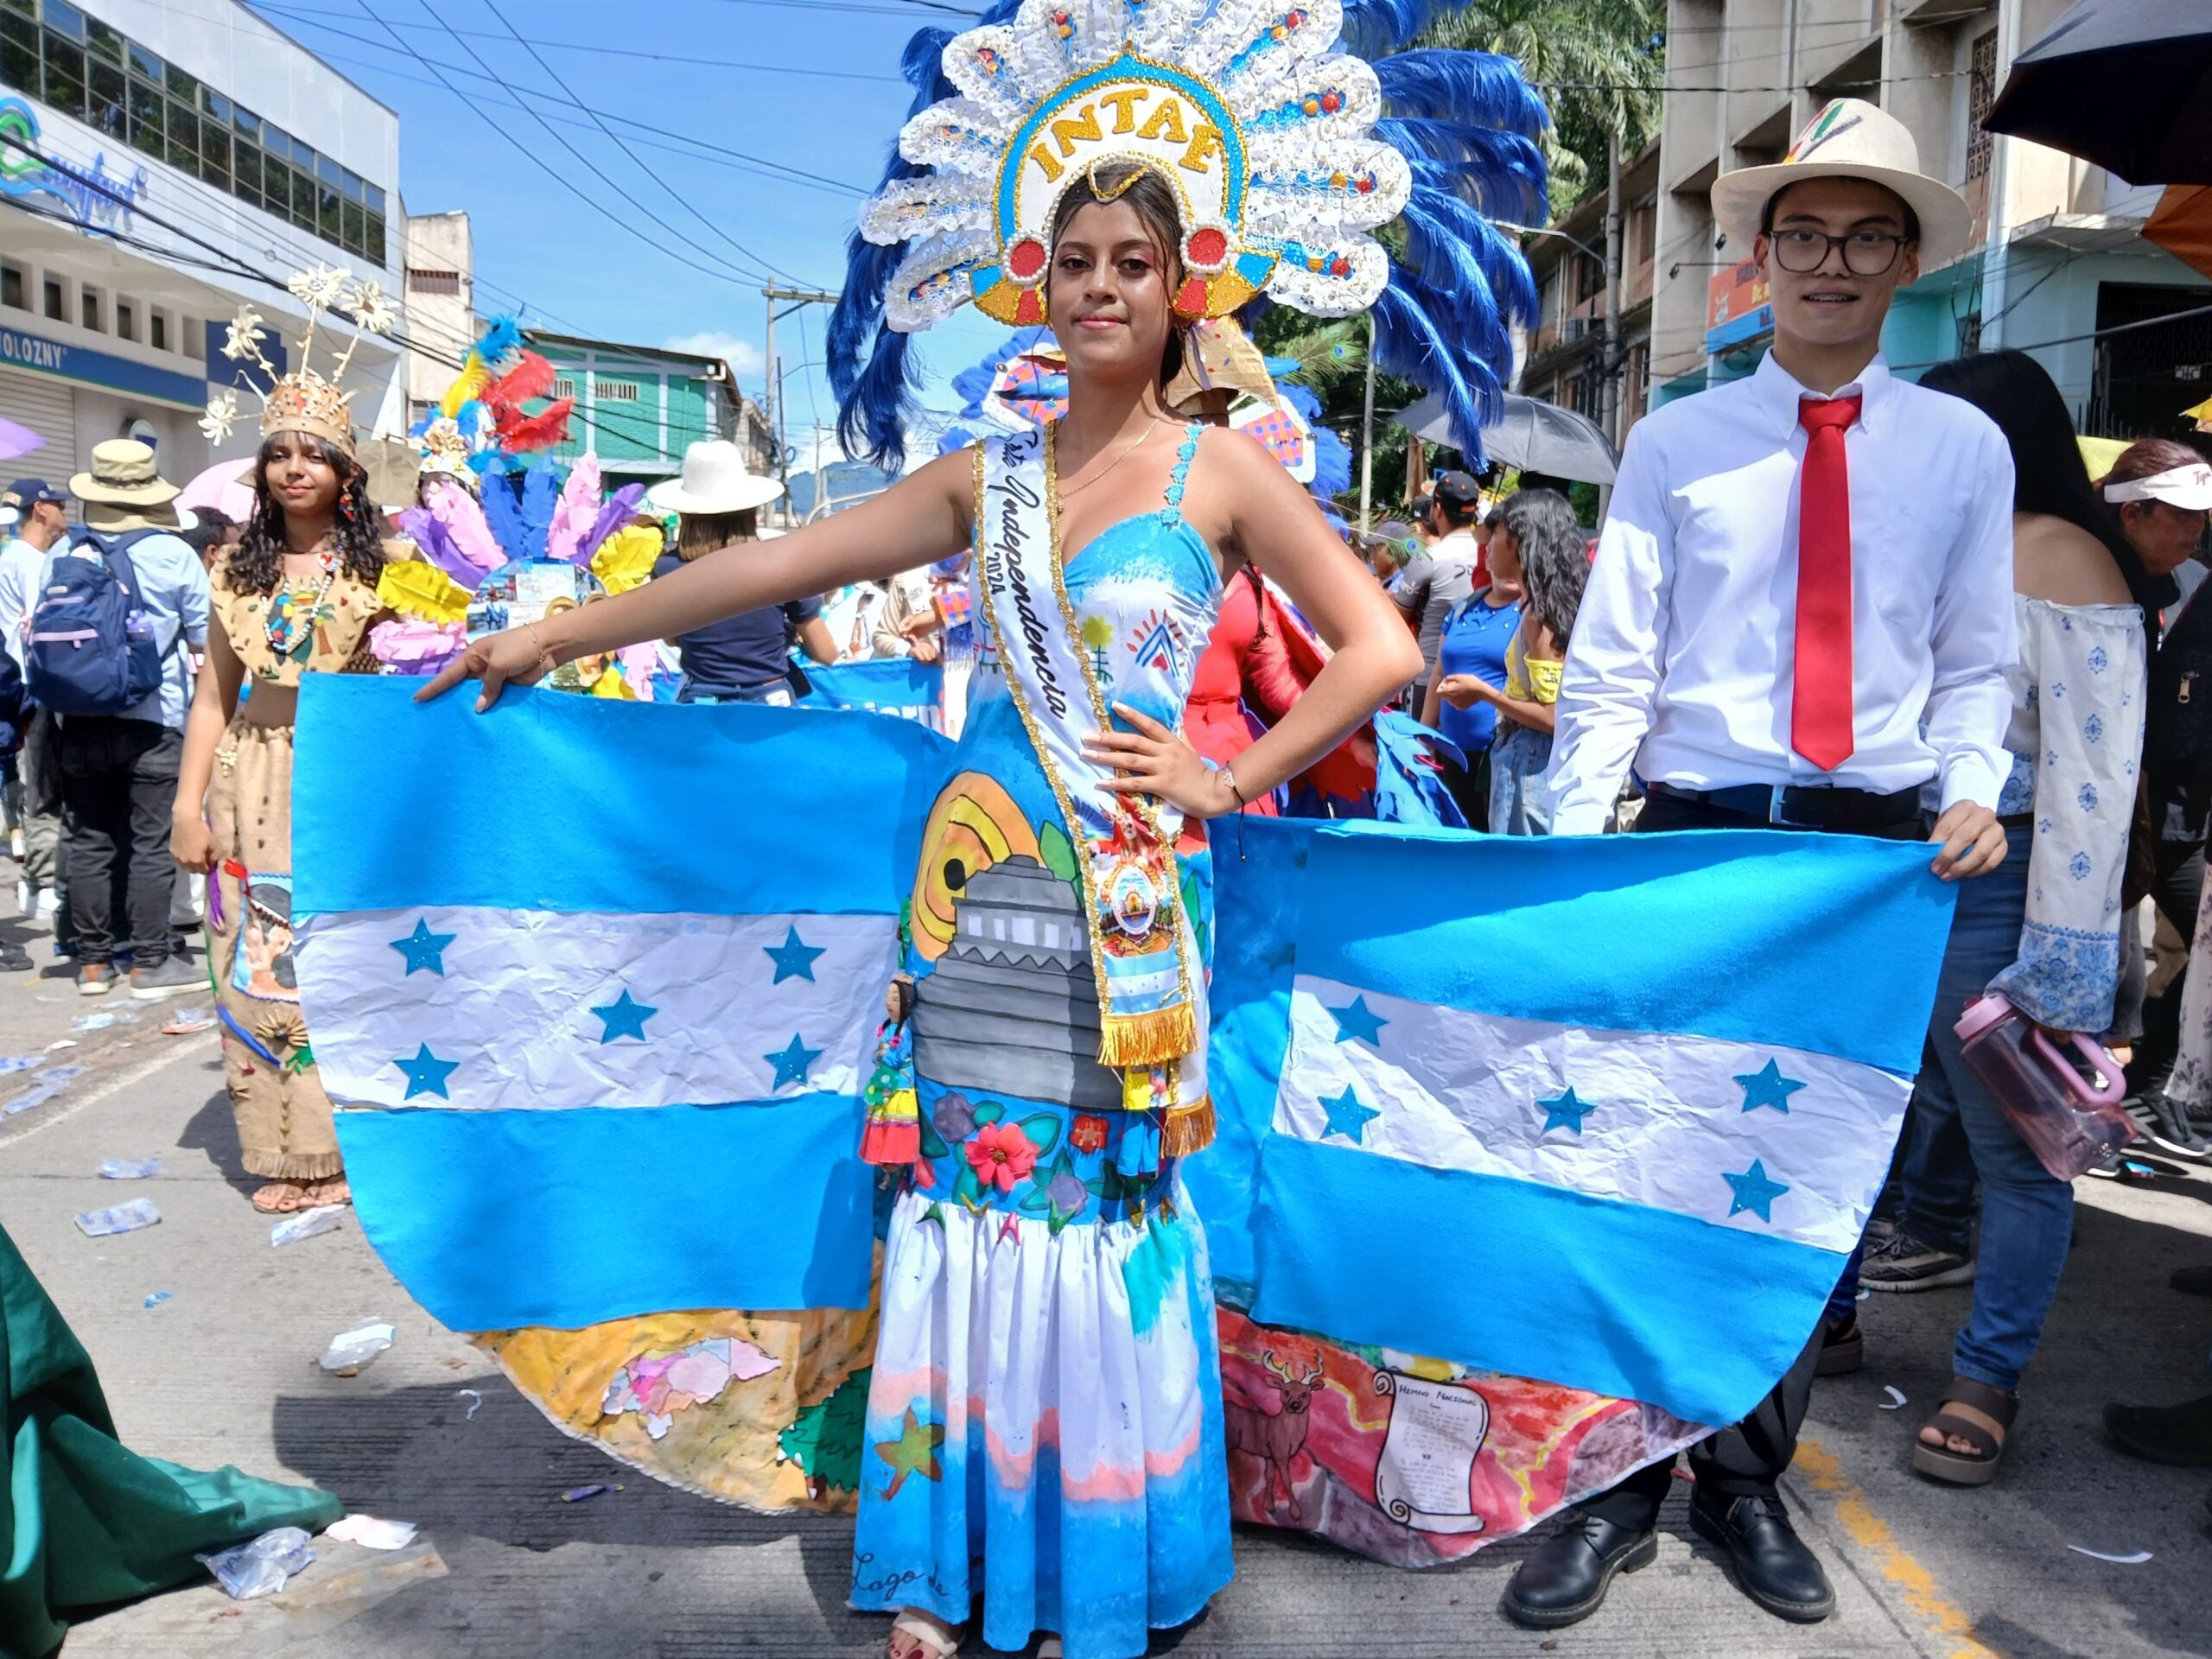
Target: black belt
[1819, 807]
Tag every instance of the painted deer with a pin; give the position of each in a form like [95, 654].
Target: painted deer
[1276, 1437]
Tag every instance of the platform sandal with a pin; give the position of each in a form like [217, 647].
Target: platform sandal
[1980, 1466]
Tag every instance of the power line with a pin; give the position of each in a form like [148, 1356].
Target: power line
[642, 165]
[599, 51]
[728, 273]
[745, 160]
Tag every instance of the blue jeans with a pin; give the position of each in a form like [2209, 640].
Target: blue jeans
[1518, 757]
[2027, 1216]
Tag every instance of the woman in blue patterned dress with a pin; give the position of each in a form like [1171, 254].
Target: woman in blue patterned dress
[1044, 1423]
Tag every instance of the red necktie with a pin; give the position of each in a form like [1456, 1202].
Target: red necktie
[1820, 686]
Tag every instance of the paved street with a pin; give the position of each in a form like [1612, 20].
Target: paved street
[224, 1372]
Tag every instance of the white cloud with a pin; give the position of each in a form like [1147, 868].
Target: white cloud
[744, 359]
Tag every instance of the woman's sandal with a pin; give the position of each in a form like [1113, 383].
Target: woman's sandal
[918, 1634]
[282, 1197]
[1980, 1466]
[331, 1189]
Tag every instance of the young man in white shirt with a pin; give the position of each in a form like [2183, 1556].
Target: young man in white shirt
[1798, 569]
[1428, 590]
[43, 521]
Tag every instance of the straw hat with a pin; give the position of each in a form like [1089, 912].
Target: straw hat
[125, 490]
[715, 480]
[1850, 139]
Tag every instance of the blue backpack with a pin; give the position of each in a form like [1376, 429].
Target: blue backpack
[92, 648]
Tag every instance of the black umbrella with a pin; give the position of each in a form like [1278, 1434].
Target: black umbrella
[1537, 437]
[2126, 84]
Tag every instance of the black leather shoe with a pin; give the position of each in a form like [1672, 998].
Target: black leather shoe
[1565, 1580]
[1773, 1565]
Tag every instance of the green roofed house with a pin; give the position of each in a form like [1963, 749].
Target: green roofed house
[638, 407]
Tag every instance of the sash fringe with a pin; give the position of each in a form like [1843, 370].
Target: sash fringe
[1153, 1038]
[1188, 1130]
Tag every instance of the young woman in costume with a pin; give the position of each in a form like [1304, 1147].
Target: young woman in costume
[297, 595]
[1044, 1424]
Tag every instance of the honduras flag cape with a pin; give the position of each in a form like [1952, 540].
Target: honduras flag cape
[1533, 1157]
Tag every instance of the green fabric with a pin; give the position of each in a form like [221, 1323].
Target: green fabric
[84, 1522]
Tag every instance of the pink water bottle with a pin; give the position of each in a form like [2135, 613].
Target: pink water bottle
[2069, 1121]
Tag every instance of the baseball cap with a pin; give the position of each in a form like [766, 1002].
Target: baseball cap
[1457, 490]
[30, 492]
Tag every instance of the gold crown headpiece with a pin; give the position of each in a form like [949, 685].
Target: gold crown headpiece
[445, 450]
[302, 401]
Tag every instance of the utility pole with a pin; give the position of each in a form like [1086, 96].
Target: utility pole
[1367, 438]
[773, 387]
[1610, 348]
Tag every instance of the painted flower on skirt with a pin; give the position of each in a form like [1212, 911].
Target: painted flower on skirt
[1087, 1133]
[1001, 1155]
[1066, 1191]
[955, 1116]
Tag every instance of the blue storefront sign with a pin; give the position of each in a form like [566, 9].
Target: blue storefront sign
[19, 350]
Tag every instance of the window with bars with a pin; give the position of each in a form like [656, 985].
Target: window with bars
[1981, 92]
[420, 280]
[618, 392]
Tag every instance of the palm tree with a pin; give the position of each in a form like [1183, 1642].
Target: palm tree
[1599, 64]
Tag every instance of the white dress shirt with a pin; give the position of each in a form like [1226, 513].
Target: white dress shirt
[1685, 643]
[20, 564]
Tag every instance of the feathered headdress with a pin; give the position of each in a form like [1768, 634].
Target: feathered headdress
[1286, 151]
[481, 423]
[302, 401]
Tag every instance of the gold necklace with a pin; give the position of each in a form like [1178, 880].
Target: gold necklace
[1067, 490]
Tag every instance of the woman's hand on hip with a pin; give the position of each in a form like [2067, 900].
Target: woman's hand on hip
[517, 657]
[1153, 761]
[192, 844]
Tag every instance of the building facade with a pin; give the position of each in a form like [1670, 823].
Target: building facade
[159, 166]
[2057, 255]
[639, 407]
[440, 277]
[1564, 360]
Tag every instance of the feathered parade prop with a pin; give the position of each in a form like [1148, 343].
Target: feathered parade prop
[481, 423]
[1290, 151]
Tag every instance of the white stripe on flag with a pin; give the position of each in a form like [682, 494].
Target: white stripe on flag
[1664, 1122]
[530, 1004]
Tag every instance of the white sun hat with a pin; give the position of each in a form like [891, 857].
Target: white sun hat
[2187, 488]
[1849, 139]
[715, 480]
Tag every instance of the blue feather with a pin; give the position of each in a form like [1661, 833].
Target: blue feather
[503, 513]
[541, 498]
[501, 338]
[1373, 27]
[1332, 464]
[1480, 87]
[954, 437]
[1298, 398]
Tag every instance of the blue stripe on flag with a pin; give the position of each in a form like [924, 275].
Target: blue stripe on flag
[498, 1219]
[1507, 1276]
[889, 683]
[519, 808]
[1827, 943]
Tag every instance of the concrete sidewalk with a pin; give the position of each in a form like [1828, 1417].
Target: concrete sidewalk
[224, 1372]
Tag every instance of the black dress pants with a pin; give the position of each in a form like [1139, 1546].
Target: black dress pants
[1747, 1458]
[118, 785]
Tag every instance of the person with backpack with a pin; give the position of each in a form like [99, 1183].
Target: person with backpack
[113, 624]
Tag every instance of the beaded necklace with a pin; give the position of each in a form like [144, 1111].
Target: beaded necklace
[289, 623]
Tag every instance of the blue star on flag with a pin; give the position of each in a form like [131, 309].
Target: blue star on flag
[1565, 1111]
[1358, 1020]
[1754, 1192]
[1348, 1118]
[794, 957]
[1767, 1087]
[624, 1017]
[423, 948]
[427, 1074]
[791, 1063]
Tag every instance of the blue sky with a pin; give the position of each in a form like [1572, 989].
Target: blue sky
[826, 101]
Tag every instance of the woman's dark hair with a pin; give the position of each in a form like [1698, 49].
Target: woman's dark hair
[1147, 189]
[1554, 558]
[702, 533]
[2147, 458]
[256, 563]
[2049, 475]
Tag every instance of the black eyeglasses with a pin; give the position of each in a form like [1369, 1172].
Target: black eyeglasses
[1865, 253]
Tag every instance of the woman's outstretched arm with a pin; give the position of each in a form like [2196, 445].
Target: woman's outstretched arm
[918, 521]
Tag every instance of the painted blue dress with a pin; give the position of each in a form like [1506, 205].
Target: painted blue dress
[1044, 1426]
